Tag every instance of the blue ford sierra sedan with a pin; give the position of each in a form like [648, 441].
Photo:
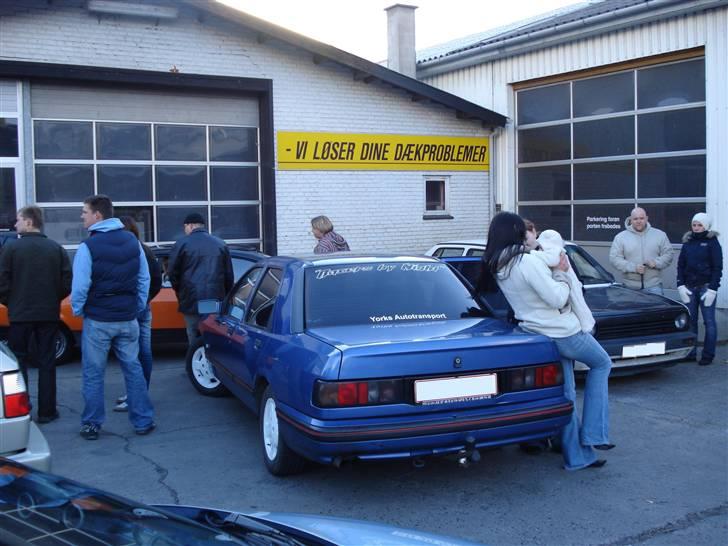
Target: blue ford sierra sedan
[347, 357]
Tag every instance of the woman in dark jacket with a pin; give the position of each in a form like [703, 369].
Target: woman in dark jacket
[699, 269]
[145, 318]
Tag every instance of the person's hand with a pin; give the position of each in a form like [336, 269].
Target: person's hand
[709, 297]
[651, 264]
[563, 263]
[640, 269]
[684, 294]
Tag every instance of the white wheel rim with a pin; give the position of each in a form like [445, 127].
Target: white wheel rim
[270, 429]
[202, 370]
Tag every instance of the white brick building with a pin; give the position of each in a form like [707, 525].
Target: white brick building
[176, 106]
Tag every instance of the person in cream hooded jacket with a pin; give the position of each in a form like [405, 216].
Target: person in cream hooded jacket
[640, 253]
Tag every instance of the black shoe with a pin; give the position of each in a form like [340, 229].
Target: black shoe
[705, 362]
[146, 430]
[604, 447]
[597, 464]
[89, 431]
[43, 419]
[532, 448]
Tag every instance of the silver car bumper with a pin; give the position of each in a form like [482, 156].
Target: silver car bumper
[38, 454]
[672, 355]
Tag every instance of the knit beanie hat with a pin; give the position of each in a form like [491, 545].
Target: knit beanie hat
[704, 219]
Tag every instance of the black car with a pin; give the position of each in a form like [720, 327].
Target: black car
[640, 331]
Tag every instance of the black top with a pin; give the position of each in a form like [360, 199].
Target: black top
[35, 276]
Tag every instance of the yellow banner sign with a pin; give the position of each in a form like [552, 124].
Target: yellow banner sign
[357, 152]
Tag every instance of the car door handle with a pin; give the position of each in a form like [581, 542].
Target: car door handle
[257, 343]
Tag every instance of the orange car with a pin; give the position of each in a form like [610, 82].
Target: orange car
[168, 325]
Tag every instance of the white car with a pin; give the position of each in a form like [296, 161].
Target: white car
[465, 247]
[20, 438]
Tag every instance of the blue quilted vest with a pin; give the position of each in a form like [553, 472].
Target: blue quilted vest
[112, 296]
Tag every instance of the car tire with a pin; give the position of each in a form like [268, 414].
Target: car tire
[201, 373]
[64, 346]
[280, 459]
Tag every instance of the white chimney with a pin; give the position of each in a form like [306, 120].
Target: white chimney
[401, 55]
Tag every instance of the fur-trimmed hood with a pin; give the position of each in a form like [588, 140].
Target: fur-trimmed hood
[689, 235]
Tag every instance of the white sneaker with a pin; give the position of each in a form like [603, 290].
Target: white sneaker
[121, 399]
[121, 406]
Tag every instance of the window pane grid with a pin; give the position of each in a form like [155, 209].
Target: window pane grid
[241, 154]
[670, 159]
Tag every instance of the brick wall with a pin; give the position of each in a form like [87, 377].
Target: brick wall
[374, 210]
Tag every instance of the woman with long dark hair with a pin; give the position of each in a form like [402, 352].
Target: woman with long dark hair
[145, 317]
[540, 304]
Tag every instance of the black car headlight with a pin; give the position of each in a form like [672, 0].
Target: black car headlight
[681, 321]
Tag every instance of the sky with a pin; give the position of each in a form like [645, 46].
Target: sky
[360, 26]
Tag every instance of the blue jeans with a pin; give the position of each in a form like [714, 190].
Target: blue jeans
[655, 290]
[123, 337]
[145, 343]
[711, 329]
[595, 428]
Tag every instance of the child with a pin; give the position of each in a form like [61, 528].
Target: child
[550, 250]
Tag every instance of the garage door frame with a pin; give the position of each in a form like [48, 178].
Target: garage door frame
[260, 88]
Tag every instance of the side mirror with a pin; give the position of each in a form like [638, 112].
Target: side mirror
[237, 313]
[208, 307]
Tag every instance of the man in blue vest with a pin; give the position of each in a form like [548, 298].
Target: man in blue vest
[110, 287]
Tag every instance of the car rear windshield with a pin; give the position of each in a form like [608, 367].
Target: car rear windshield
[385, 293]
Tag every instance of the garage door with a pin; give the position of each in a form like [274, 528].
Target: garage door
[159, 156]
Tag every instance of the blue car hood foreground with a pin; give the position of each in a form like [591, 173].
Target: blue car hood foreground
[352, 532]
[338, 531]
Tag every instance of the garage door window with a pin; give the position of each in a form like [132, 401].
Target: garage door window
[589, 150]
[156, 172]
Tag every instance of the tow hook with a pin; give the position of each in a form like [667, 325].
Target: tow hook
[469, 454]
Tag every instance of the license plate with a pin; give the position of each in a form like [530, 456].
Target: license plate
[646, 349]
[455, 389]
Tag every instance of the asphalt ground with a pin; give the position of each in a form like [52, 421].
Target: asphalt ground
[666, 482]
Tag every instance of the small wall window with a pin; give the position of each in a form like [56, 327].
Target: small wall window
[436, 201]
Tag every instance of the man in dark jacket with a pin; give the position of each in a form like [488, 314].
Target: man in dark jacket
[199, 268]
[110, 289]
[35, 275]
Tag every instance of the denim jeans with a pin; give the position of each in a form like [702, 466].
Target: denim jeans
[192, 322]
[123, 337]
[711, 330]
[576, 456]
[655, 290]
[145, 343]
[595, 418]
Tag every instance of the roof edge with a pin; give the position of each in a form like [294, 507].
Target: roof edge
[651, 10]
[362, 69]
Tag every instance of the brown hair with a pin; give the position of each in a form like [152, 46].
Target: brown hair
[34, 214]
[130, 225]
[530, 226]
[322, 223]
[100, 203]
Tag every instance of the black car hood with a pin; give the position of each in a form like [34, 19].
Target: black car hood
[615, 299]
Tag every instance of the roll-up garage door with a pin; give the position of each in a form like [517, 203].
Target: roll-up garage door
[159, 155]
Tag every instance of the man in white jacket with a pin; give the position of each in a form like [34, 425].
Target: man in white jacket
[640, 253]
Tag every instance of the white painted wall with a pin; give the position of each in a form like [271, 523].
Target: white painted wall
[374, 210]
[490, 85]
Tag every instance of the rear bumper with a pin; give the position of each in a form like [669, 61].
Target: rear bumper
[38, 454]
[422, 435]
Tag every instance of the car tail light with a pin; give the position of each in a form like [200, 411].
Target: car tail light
[337, 394]
[533, 377]
[15, 396]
